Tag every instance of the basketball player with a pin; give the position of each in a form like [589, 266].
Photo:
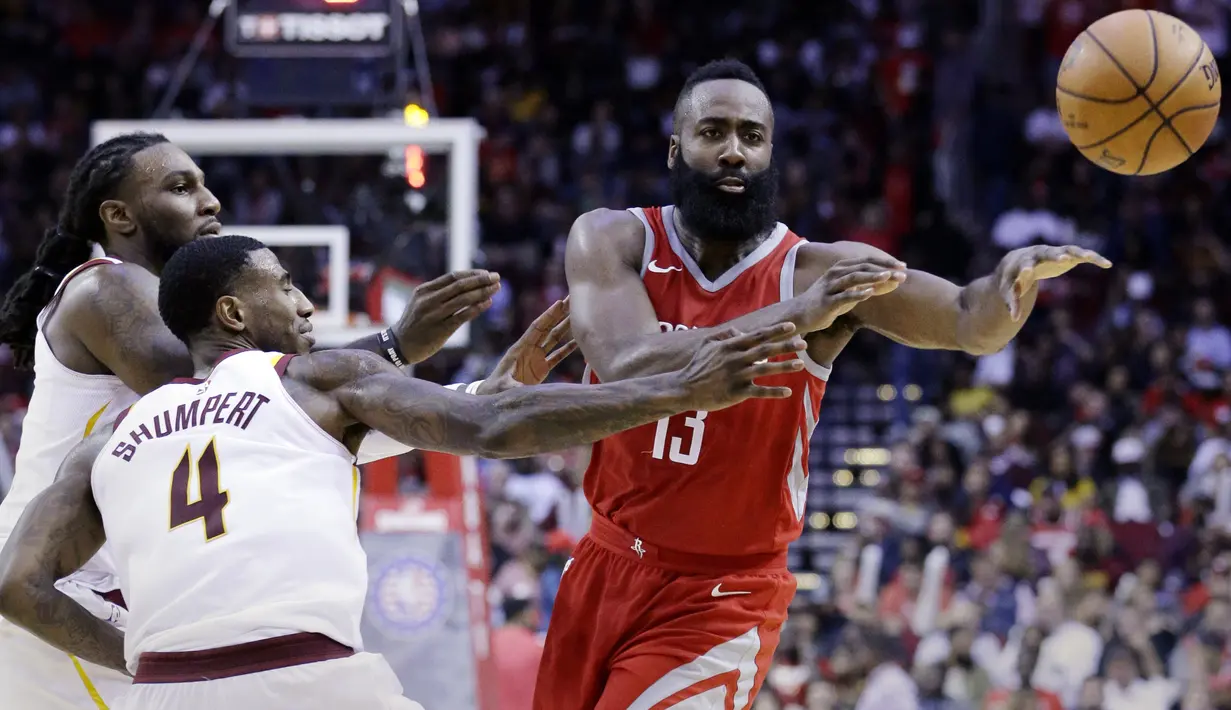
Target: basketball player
[685, 561]
[230, 499]
[100, 341]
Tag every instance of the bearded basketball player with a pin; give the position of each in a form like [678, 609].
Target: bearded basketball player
[229, 497]
[685, 562]
[91, 329]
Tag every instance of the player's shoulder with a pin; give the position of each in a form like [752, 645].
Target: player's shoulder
[606, 231]
[608, 221]
[107, 283]
[327, 370]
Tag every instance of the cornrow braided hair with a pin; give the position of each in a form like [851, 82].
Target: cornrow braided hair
[95, 178]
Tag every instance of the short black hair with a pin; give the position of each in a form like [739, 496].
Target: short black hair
[196, 276]
[713, 71]
[95, 179]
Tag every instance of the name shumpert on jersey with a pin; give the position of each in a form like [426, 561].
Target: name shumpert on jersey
[215, 409]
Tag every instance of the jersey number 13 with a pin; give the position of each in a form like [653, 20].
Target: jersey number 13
[696, 425]
[210, 498]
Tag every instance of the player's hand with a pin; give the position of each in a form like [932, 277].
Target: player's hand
[1021, 269]
[545, 344]
[724, 370]
[850, 282]
[439, 307]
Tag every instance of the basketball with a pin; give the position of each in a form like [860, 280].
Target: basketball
[1138, 92]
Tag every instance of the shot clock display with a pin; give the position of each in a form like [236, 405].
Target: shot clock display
[314, 28]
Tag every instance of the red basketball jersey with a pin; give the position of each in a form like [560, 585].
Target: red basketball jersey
[731, 482]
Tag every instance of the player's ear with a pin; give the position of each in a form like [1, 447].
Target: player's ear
[229, 311]
[116, 217]
[673, 151]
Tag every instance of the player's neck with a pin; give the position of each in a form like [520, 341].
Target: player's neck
[209, 348]
[714, 257]
[133, 252]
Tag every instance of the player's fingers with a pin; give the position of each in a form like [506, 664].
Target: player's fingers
[865, 278]
[728, 333]
[777, 367]
[761, 392]
[468, 298]
[474, 281]
[442, 281]
[557, 356]
[549, 318]
[854, 295]
[881, 262]
[468, 314]
[562, 332]
[775, 348]
[747, 341]
[1088, 256]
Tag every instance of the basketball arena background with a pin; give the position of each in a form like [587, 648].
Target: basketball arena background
[1049, 523]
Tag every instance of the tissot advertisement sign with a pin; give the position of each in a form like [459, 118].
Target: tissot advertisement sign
[314, 28]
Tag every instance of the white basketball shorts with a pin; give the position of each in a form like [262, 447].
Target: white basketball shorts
[36, 676]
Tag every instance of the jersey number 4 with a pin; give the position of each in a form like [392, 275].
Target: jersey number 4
[696, 424]
[210, 498]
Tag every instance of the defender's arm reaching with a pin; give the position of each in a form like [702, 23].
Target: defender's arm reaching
[60, 531]
[361, 389]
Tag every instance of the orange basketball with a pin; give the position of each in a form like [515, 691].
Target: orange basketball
[1138, 92]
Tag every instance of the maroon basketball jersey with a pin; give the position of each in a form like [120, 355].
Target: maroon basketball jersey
[730, 482]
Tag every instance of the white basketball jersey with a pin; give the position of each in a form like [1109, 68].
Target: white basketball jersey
[65, 407]
[231, 514]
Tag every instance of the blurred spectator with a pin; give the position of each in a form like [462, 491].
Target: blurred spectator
[516, 650]
[1042, 527]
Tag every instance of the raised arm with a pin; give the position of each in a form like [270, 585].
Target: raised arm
[437, 308]
[113, 312]
[530, 420]
[979, 318]
[58, 532]
[614, 321]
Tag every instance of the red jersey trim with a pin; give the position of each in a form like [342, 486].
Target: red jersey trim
[77, 270]
[786, 291]
[120, 417]
[282, 363]
[647, 249]
[728, 277]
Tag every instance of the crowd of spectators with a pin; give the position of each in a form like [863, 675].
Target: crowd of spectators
[1053, 528]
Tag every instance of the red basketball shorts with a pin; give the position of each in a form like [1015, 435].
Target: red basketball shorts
[639, 628]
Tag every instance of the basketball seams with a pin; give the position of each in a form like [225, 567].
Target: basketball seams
[1096, 99]
[1141, 90]
[1176, 86]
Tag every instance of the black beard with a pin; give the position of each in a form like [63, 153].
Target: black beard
[722, 216]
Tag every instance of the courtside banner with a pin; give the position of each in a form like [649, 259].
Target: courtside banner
[426, 610]
[314, 28]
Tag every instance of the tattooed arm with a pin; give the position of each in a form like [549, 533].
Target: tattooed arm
[59, 531]
[527, 420]
[113, 312]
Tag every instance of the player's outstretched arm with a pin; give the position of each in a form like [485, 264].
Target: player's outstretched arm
[545, 344]
[980, 318]
[113, 311]
[59, 532]
[530, 420]
[614, 321]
